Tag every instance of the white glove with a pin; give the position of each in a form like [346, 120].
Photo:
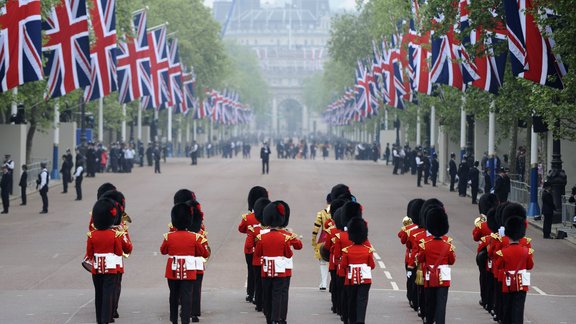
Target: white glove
[408, 274]
[501, 231]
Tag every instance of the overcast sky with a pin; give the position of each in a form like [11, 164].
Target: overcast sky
[334, 4]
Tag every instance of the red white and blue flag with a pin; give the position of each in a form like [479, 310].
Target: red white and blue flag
[175, 73]
[20, 43]
[531, 53]
[67, 48]
[133, 62]
[188, 89]
[159, 68]
[103, 51]
[446, 66]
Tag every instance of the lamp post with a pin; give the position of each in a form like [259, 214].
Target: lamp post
[557, 177]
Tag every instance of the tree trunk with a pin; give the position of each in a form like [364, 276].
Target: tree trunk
[31, 131]
[528, 163]
[513, 146]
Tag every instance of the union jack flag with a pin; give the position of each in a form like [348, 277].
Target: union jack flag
[133, 65]
[366, 103]
[159, 66]
[175, 73]
[531, 53]
[469, 68]
[103, 51]
[20, 43]
[67, 48]
[188, 84]
[446, 67]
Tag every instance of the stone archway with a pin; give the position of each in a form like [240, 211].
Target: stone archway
[289, 116]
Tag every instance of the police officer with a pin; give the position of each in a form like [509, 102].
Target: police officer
[452, 170]
[42, 186]
[265, 156]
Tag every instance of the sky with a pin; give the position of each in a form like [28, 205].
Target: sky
[334, 4]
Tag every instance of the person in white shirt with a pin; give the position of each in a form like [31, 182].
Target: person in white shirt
[420, 167]
[9, 163]
[42, 185]
[78, 177]
[129, 154]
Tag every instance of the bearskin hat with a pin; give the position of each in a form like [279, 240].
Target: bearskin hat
[513, 210]
[499, 210]
[118, 197]
[196, 219]
[181, 216]
[338, 216]
[430, 203]
[515, 228]
[357, 230]
[335, 205]
[286, 214]
[436, 220]
[276, 213]
[351, 210]
[104, 213]
[338, 190]
[329, 198]
[491, 220]
[184, 195]
[259, 206]
[104, 188]
[486, 202]
[255, 193]
[413, 211]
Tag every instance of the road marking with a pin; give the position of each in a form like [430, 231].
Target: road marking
[540, 291]
[394, 285]
[377, 256]
[155, 253]
[381, 264]
[245, 283]
[78, 310]
[388, 275]
[30, 314]
[55, 256]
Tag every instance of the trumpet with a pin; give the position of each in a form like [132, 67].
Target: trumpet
[289, 230]
[407, 221]
[480, 219]
[126, 218]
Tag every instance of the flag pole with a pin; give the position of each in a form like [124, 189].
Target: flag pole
[139, 127]
[101, 120]
[124, 122]
[169, 132]
[55, 174]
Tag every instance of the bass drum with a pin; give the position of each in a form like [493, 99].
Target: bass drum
[324, 253]
[88, 264]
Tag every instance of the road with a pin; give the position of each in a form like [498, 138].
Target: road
[42, 281]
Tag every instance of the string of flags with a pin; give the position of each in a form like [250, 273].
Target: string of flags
[413, 60]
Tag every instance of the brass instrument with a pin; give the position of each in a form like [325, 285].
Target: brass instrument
[480, 219]
[126, 218]
[407, 221]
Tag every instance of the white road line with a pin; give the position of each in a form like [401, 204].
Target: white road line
[55, 256]
[394, 285]
[388, 275]
[540, 291]
[377, 256]
[155, 253]
[78, 310]
[381, 264]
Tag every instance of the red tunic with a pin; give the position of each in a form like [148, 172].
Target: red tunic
[329, 245]
[416, 235]
[343, 241]
[480, 230]
[274, 249]
[295, 243]
[357, 263]
[124, 237]
[184, 249]
[247, 221]
[105, 249]
[436, 252]
[203, 240]
[404, 234]
[252, 239]
[514, 257]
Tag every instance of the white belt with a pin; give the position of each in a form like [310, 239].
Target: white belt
[280, 264]
[111, 260]
[190, 262]
[365, 271]
[445, 272]
[524, 274]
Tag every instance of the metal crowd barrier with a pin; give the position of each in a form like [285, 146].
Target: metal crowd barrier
[33, 172]
[568, 212]
[520, 193]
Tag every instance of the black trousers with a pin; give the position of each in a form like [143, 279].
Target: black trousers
[334, 291]
[103, 296]
[396, 165]
[5, 200]
[452, 182]
[483, 279]
[285, 295]
[23, 195]
[194, 156]
[196, 309]
[357, 302]
[257, 270]
[513, 307]
[426, 175]
[474, 190]
[265, 166]
[250, 276]
[272, 298]
[433, 177]
[547, 229]
[117, 290]
[342, 298]
[489, 291]
[419, 181]
[462, 184]
[44, 195]
[436, 299]
[421, 295]
[157, 166]
[78, 183]
[65, 181]
[180, 293]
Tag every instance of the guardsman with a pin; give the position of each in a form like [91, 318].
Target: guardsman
[183, 250]
[515, 260]
[327, 251]
[105, 249]
[196, 226]
[404, 234]
[356, 265]
[249, 219]
[253, 237]
[415, 269]
[296, 244]
[436, 254]
[494, 245]
[319, 238]
[480, 233]
[42, 186]
[344, 214]
[121, 228]
[273, 247]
